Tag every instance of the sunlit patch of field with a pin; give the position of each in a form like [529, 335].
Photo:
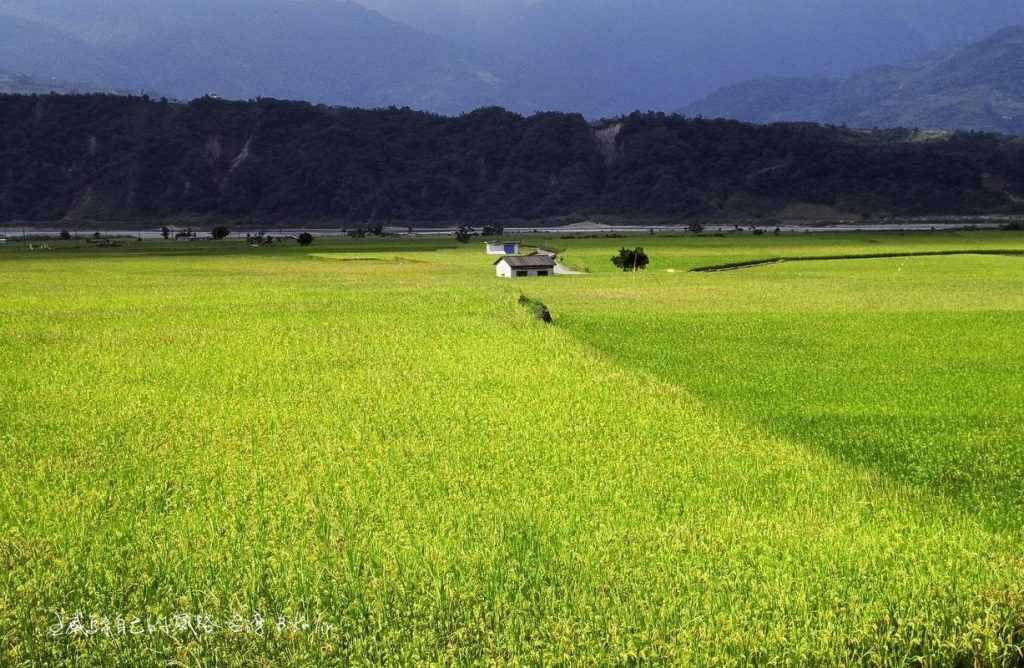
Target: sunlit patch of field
[808, 463]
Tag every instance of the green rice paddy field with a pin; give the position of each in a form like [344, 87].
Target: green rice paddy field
[366, 452]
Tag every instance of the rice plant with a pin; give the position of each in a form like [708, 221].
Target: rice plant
[372, 454]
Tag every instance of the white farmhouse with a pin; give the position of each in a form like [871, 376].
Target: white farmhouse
[523, 266]
[503, 248]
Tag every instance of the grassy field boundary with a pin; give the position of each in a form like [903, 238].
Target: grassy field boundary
[538, 308]
[750, 264]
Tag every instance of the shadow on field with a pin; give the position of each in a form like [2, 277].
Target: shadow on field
[896, 394]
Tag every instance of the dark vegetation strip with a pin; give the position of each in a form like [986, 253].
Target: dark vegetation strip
[538, 308]
[732, 266]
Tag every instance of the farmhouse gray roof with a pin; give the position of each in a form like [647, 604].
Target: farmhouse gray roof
[528, 261]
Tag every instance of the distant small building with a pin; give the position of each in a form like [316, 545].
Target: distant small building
[503, 248]
[525, 266]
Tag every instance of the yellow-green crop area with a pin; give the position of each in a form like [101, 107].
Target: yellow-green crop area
[372, 448]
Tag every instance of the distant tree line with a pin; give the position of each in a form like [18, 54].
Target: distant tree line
[268, 161]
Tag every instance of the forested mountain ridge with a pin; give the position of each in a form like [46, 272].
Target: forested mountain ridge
[108, 157]
[977, 87]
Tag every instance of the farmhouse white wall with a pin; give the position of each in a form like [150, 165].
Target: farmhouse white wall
[504, 270]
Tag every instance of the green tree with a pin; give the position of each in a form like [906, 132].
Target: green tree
[631, 260]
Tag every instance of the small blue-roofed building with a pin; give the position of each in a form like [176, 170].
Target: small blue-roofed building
[503, 248]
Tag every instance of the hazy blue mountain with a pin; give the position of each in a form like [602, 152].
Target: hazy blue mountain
[598, 57]
[610, 56]
[464, 21]
[21, 84]
[604, 57]
[977, 87]
[319, 50]
[44, 51]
